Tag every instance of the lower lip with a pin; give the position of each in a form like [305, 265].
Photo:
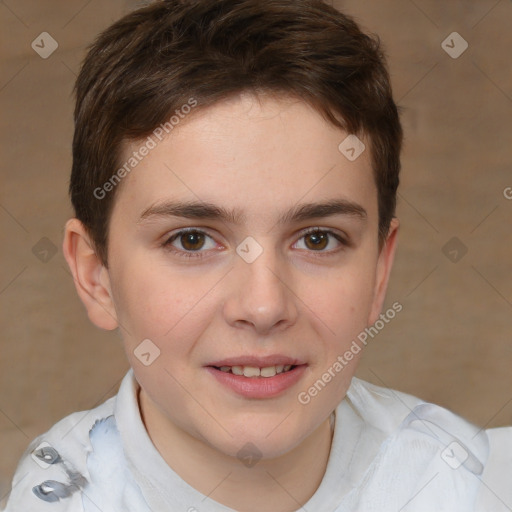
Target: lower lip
[259, 387]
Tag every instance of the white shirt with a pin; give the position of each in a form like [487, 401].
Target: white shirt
[390, 452]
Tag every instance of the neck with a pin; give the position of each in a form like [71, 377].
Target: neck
[287, 482]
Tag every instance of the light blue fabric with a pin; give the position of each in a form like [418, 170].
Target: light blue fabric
[111, 487]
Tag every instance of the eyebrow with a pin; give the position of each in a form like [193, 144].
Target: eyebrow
[298, 213]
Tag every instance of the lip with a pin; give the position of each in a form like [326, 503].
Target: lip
[257, 387]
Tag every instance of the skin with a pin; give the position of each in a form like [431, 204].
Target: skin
[262, 155]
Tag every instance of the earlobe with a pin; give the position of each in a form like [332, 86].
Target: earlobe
[90, 276]
[384, 265]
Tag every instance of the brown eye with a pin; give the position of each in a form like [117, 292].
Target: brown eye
[192, 241]
[322, 241]
[318, 240]
[189, 243]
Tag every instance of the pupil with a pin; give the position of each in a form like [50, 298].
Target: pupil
[317, 239]
[195, 239]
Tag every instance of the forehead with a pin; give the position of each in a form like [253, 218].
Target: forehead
[249, 153]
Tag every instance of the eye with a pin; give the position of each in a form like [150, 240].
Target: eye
[316, 240]
[192, 240]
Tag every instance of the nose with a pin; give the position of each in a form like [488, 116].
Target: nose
[261, 295]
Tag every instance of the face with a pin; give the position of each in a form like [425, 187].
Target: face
[248, 278]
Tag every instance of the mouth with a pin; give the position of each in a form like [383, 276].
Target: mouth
[255, 372]
[253, 377]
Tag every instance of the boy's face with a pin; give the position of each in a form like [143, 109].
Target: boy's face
[302, 301]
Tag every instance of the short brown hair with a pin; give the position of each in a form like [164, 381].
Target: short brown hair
[152, 61]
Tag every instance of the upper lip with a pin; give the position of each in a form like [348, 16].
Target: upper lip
[258, 361]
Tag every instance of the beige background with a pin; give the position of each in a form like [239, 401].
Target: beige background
[452, 342]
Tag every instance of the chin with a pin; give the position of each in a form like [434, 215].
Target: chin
[260, 440]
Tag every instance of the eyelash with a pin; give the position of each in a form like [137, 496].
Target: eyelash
[199, 254]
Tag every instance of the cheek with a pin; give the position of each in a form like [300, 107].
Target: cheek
[340, 307]
[168, 307]
[343, 300]
[148, 302]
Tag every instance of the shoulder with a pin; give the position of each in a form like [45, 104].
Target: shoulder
[496, 492]
[382, 407]
[53, 469]
[408, 420]
[430, 456]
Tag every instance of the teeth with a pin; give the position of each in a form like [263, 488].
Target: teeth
[268, 372]
[252, 371]
[237, 370]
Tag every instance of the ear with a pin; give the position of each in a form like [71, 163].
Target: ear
[384, 264]
[91, 278]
